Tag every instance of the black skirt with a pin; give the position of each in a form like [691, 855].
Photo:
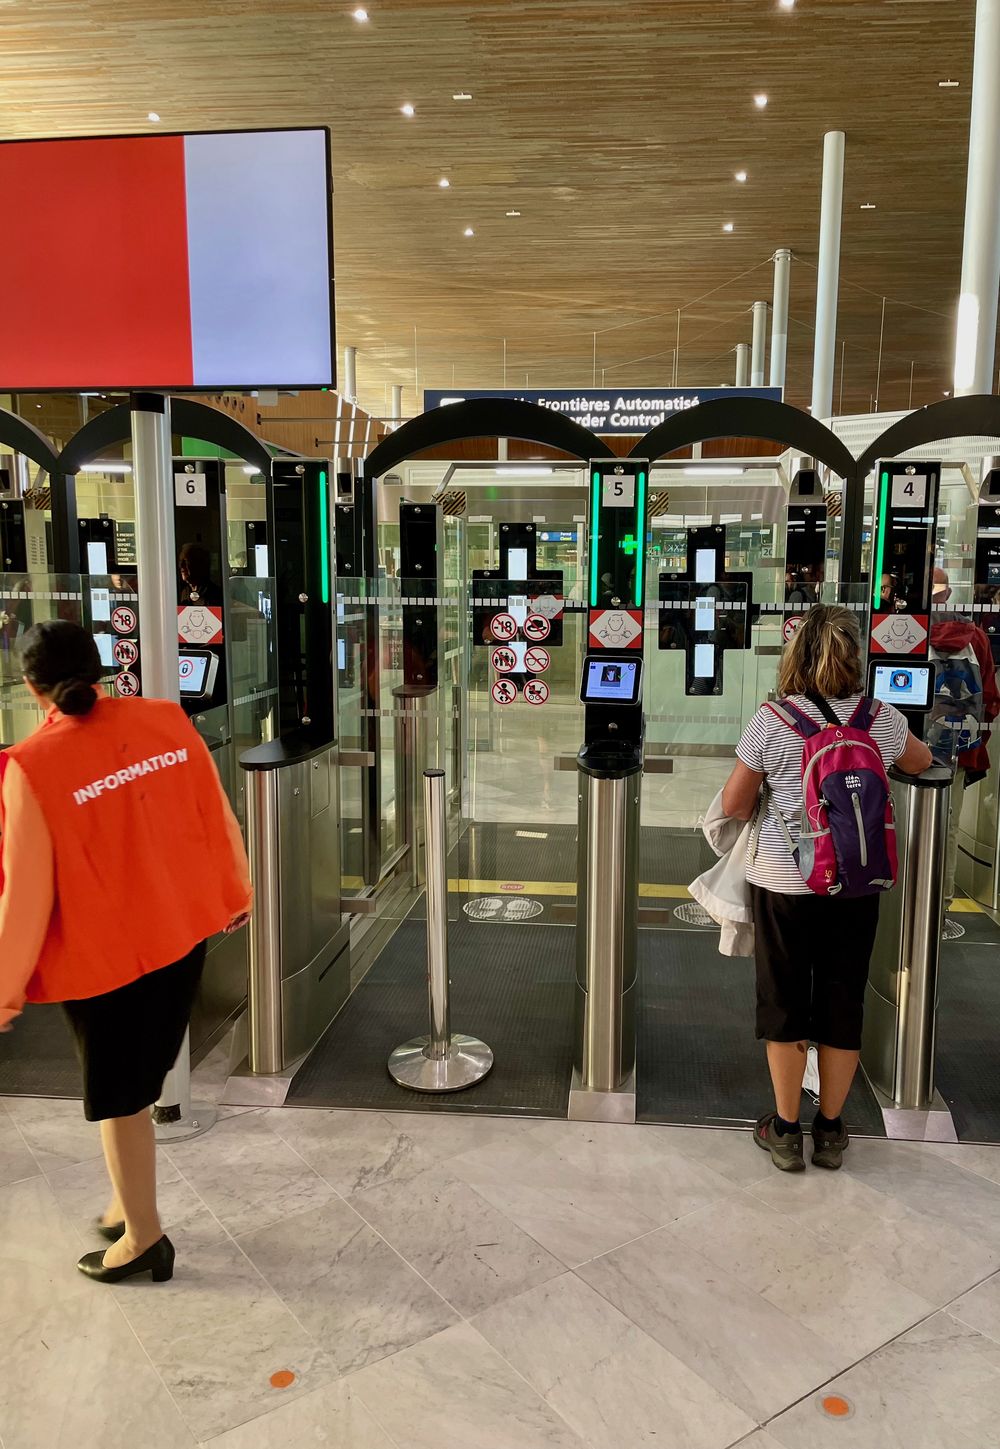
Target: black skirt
[128, 1039]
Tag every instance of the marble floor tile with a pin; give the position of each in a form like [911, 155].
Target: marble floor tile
[16, 1160]
[640, 1164]
[730, 1154]
[455, 1392]
[471, 1253]
[930, 1184]
[248, 1175]
[838, 1293]
[748, 1350]
[981, 1308]
[329, 1418]
[83, 1191]
[352, 1150]
[984, 1161]
[39, 1253]
[447, 1134]
[56, 1131]
[346, 1286]
[75, 1377]
[218, 1332]
[925, 1254]
[568, 1211]
[611, 1382]
[936, 1387]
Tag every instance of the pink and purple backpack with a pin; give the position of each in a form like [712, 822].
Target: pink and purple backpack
[847, 831]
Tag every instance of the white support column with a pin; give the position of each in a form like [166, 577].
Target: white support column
[828, 274]
[349, 391]
[156, 566]
[396, 408]
[742, 364]
[975, 342]
[779, 315]
[759, 345]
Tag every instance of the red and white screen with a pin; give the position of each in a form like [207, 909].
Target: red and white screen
[198, 261]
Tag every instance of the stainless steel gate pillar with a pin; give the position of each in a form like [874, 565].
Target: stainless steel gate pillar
[901, 1007]
[603, 1088]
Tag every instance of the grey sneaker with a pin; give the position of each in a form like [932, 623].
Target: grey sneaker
[786, 1152]
[829, 1147]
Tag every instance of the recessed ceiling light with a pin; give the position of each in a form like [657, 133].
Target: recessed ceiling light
[469, 231]
[462, 96]
[444, 183]
[760, 101]
[787, 4]
[360, 15]
[947, 394]
[513, 213]
[727, 226]
[153, 116]
[949, 85]
[407, 110]
[868, 206]
[741, 176]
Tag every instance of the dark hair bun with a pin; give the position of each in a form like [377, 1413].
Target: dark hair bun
[74, 696]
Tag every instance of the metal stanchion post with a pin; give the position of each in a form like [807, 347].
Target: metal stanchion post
[442, 1061]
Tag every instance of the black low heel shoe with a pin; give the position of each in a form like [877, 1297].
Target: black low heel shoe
[158, 1260]
[111, 1231]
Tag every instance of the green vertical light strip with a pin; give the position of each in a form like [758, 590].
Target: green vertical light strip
[880, 524]
[324, 537]
[595, 517]
[640, 553]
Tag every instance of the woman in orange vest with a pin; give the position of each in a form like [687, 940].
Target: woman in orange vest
[112, 811]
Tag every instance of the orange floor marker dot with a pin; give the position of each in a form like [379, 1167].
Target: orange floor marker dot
[836, 1407]
[282, 1379]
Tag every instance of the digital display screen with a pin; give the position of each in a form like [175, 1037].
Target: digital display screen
[232, 292]
[517, 563]
[611, 681]
[704, 661]
[193, 672]
[704, 616]
[704, 565]
[105, 648]
[97, 558]
[907, 686]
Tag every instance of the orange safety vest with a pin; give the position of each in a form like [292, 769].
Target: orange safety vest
[144, 867]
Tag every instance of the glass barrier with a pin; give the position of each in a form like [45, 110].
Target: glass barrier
[27, 599]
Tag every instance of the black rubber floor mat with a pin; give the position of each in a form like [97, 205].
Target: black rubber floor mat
[968, 1038]
[38, 1058]
[699, 1063]
[512, 986]
[978, 926]
[513, 853]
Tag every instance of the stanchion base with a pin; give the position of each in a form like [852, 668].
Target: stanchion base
[586, 1105]
[468, 1061]
[200, 1118]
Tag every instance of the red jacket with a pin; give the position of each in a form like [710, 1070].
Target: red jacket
[950, 635]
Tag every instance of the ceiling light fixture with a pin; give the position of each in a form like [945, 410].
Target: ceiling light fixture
[727, 226]
[741, 176]
[786, 4]
[444, 183]
[760, 101]
[949, 85]
[868, 206]
[513, 213]
[711, 472]
[112, 467]
[527, 472]
[407, 110]
[462, 96]
[153, 116]
[360, 15]
[468, 231]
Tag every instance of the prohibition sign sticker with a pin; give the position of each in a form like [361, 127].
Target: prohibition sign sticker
[503, 627]
[536, 691]
[537, 660]
[127, 684]
[505, 691]
[791, 627]
[504, 661]
[123, 619]
[126, 652]
[537, 627]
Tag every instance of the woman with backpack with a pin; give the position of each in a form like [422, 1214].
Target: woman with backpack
[814, 764]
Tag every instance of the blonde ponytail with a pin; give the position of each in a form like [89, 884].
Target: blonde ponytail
[824, 656]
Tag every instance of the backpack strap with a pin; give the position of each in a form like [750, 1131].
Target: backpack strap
[825, 709]
[795, 718]
[866, 713]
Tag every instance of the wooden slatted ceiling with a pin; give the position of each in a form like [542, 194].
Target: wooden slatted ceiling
[613, 126]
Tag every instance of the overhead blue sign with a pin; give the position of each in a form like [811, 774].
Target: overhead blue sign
[605, 410]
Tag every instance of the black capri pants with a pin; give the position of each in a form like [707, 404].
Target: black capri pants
[812, 954]
[127, 1040]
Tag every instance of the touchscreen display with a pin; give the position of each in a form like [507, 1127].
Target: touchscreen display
[615, 681]
[192, 669]
[907, 686]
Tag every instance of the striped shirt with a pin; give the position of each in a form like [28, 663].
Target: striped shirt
[774, 750]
